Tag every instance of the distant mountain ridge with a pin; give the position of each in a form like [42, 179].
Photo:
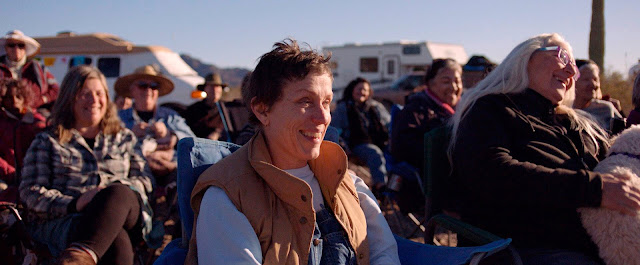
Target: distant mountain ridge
[231, 76]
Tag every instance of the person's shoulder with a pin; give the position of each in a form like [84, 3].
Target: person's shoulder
[125, 112]
[599, 103]
[416, 98]
[46, 136]
[376, 104]
[195, 106]
[497, 100]
[341, 107]
[162, 109]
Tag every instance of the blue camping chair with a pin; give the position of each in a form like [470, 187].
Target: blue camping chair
[413, 253]
[195, 155]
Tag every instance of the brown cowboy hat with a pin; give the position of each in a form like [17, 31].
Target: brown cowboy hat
[123, 84]
[212, 79]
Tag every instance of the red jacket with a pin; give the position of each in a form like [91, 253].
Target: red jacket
[15, 138]
[41, 81]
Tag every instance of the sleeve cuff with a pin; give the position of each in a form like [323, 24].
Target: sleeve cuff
[594, 189]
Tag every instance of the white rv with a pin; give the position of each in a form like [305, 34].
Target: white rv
[116, 57]
[383, 63]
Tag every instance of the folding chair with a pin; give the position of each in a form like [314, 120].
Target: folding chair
[440, 195]
[413, 253]
[195, 155]
[400, 171]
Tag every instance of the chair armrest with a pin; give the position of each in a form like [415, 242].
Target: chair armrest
[472, 233]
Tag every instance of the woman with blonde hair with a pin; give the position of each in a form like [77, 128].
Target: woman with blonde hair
[523, 159]
[85, 184]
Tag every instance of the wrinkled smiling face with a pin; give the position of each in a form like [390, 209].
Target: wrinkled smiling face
[295, 125]
[90, 104]
[548, 75]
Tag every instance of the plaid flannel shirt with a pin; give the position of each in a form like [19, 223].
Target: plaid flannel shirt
[53, 174]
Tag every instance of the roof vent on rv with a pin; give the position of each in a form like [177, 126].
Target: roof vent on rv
[66, 33]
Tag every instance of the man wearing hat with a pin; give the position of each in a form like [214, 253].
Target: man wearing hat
[149, 122]
[204, 116]
[17, 63]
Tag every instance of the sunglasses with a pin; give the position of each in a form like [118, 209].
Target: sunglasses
[13, 45]
[565, 58]
[145, 85]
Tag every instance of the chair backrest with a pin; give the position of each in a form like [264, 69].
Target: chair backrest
[437, 170]
[195, 155]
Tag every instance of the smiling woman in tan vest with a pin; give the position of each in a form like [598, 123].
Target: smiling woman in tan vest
[286, 197]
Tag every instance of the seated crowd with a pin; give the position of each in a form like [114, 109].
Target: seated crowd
[524, 142]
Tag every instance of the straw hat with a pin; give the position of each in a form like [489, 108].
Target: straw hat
[32, 46]
[212, 79]
[123, 84]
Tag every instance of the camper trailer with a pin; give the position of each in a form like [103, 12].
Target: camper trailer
[383, 63]
[116, 57]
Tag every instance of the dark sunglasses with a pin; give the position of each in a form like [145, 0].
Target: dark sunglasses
[13, 45]
[145, 85]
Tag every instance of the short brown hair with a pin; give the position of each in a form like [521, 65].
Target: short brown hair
[62, 118]
[285, 63]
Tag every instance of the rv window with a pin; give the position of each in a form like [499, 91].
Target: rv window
[411, 50]
[369, 65]
[79, 60]
[391, 67]
[110, 67]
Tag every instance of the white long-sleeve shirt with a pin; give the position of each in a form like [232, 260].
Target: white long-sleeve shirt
[225, 236]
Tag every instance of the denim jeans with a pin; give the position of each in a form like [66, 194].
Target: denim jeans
[330, 244]
[54, 233]
[374, 157]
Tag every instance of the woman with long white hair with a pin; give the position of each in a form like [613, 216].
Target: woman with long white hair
[523, 159]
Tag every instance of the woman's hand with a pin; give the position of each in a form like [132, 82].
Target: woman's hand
[619, 193]
[86, 197]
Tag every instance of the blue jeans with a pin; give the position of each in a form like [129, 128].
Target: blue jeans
[374, 157]
[54, 233]
[330, 244]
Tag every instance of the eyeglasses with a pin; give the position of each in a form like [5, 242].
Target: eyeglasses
[145, 85]
[564, 57]
[13, 45]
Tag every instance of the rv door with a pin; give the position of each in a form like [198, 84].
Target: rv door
[391, 69]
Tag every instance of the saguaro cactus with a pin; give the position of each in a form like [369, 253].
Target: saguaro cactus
[596, 36]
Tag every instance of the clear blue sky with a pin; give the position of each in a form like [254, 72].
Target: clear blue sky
[236, 33]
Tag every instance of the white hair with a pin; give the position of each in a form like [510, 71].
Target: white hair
[511, 77]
